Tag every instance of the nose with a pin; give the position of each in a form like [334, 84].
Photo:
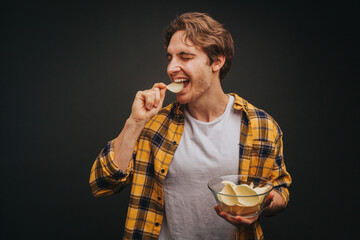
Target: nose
[173, 67]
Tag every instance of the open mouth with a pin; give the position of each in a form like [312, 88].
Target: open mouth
[183, 80]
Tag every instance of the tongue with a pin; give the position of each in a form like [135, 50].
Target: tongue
[186, 83]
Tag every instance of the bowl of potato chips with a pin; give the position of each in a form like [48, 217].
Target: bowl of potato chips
[240, 195]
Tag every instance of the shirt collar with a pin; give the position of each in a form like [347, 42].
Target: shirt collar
[240, 103]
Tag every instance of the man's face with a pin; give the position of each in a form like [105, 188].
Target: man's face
[189, 63]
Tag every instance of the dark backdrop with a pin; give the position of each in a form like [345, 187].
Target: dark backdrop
[69, 73]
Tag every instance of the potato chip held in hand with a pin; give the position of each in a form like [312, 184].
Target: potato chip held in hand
[175, 87]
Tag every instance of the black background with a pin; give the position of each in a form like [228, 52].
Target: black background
[69, 73]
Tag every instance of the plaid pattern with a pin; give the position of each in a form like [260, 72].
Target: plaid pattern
[261, 154]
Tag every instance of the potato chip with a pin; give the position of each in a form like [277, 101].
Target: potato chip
[175, 87]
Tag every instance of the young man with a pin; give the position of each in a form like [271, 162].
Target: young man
[169, 154]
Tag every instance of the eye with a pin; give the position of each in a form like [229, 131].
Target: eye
[185, 58]
[168, 56]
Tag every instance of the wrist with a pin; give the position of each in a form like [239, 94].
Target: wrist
[129, 134]
[125, 143]
[135, 123]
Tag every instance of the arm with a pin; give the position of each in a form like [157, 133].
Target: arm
[277, 198]
[145, 106]
[279, 175]
[110, 171]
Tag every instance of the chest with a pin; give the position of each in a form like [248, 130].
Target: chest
[207, 149]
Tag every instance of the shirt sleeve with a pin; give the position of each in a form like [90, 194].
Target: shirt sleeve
[281, 178]
[105, 177]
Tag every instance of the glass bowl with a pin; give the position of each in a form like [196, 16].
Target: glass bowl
[240, 195]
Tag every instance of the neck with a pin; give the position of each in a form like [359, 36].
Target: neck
[211, 105]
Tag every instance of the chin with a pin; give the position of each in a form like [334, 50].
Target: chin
[182, 99]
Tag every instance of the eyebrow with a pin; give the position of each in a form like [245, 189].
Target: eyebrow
[180, 54]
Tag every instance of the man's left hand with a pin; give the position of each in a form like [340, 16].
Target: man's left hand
[238, 220]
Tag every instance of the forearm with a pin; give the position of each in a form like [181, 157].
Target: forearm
[145, 106]
[105, 176]
[109, 172]
[125, 143]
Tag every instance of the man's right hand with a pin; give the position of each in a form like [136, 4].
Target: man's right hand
[147, 104]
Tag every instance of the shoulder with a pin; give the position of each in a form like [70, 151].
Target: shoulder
[262, 120]
[263, 125]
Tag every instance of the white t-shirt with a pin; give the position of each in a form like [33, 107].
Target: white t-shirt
[206, 149]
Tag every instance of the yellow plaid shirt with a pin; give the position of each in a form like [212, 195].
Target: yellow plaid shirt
[260, 154]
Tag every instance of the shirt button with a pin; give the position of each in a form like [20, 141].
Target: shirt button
[157, 224]
[159, 198]
[162, 170]
[174, 142]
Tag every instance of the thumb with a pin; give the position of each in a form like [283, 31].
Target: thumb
[162, 94]
[162, 87]
[269, 198]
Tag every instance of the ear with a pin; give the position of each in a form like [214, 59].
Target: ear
[218, 63]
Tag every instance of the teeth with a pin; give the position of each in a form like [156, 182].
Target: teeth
[180, 80]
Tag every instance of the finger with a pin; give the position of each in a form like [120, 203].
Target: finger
[162, 94]
[237, 220]
[269, 198]
[220, 213]
[139, 98]
[162, 87]
[159, 85]
[157, 97]
[226, 216]
[217, 210]
[245, 221]
[149, 99]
